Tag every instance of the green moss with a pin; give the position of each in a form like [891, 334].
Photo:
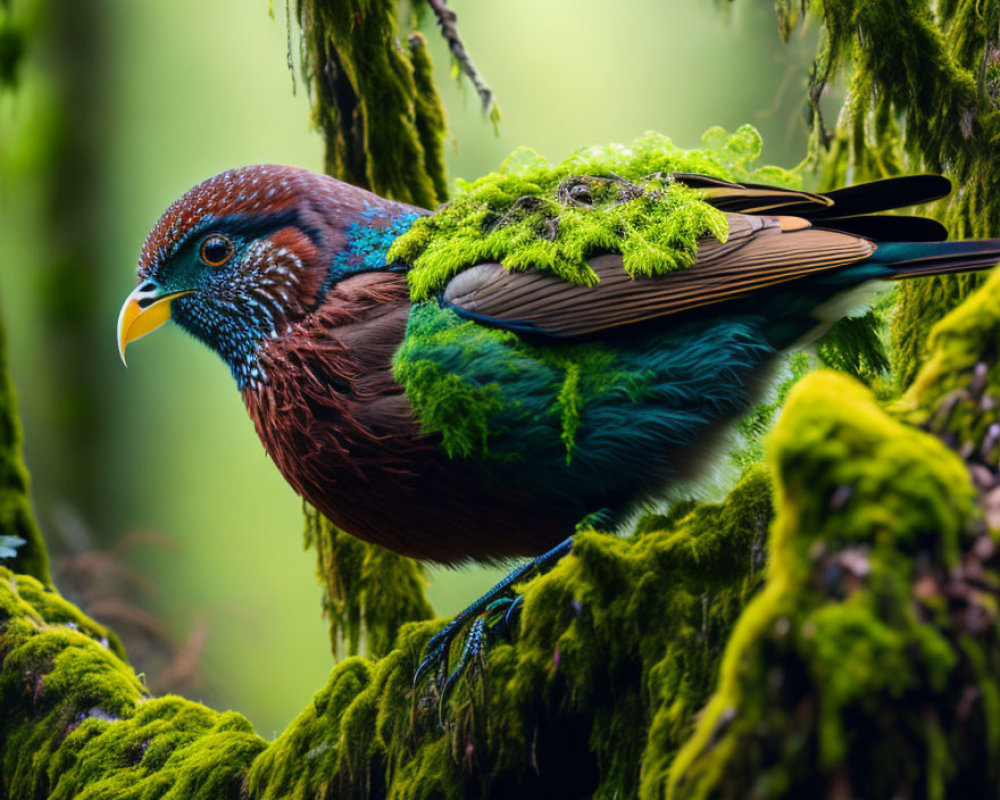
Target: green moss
[921, 304]
[848, 667]
[960, 379]
[448, 405]
[536, 215]
[467, 410]
[75, 721]
[854, 345]
[367, 590]
[648, 616]
[429, 114]
[373, 100]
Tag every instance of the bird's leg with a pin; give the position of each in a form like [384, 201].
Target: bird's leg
[496, 600]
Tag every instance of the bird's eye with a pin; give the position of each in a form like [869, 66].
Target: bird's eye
[216, 250]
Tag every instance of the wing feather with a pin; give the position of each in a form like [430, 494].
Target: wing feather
[757, 254]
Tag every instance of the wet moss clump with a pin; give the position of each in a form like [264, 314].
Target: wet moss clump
[532, 214]
[373, 99]
[369, 592]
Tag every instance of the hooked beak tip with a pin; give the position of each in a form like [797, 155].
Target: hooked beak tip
[144, 311]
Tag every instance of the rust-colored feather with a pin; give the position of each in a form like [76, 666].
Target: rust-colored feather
[342, 433]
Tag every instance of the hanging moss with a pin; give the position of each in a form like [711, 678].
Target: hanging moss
[619, 198]
[429, 114]
[367, 590]
[374, 102]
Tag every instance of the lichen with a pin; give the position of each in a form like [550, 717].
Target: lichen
[532, 214]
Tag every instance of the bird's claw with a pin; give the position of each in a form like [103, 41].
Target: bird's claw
[494, 622]
[489, 618]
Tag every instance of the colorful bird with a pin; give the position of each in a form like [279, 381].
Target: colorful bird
[490, 419]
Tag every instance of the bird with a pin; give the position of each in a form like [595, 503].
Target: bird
[489, 419]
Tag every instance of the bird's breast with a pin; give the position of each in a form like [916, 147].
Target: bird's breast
[328, 411]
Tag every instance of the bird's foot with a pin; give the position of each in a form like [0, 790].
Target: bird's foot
[488, 619]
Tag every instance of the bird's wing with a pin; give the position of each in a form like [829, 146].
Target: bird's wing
[759, 252]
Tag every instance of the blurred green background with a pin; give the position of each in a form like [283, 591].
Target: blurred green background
[121, 107]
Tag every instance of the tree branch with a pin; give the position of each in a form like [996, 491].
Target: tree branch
[448, 21]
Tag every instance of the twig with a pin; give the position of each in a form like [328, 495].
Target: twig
[449, 29]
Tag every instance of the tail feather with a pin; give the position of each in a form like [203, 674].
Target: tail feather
[882, 195]
[889, 227]
[917, 259]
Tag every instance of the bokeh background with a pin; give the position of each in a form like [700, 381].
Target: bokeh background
[149, 482]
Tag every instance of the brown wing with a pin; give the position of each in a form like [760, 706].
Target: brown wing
[759, 252]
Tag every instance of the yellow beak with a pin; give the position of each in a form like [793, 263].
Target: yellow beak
[144, 311]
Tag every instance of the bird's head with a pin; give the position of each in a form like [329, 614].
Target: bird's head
[244, 255]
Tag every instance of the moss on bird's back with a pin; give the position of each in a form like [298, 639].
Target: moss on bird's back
[532, 214]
